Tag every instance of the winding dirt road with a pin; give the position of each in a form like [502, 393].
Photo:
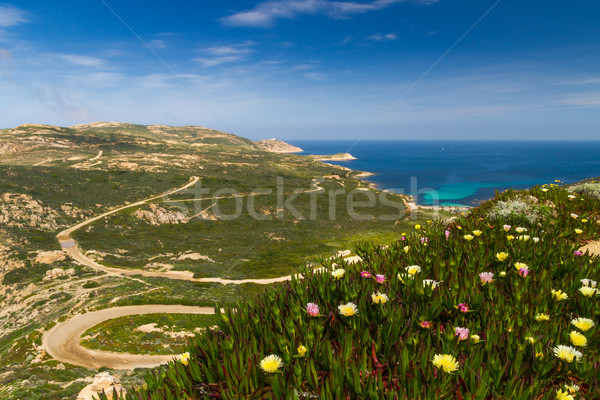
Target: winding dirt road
[63, 341]
[69, 245]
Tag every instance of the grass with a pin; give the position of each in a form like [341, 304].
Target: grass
[119, 334]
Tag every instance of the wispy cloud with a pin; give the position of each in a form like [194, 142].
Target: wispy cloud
[11, 16]
[58, 101]
[225, 54]
[383, 37]
[265, 14]
[315, 76]
[81, 60]
[158, 44]
[582, 100]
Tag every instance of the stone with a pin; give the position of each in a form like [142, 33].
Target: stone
[104, 381]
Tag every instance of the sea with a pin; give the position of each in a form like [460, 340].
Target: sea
[463, 173]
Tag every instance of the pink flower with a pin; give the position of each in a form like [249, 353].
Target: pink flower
[380, 278]
[463, 307]
[312, 309]
[578, 253]
[486, 277]
[523, 271]
[426, 324]
[402, 238]
[424, 240]
[447, 233]
[462, 333]
[365, 274]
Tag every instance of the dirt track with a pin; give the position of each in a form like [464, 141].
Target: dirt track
[63, 341]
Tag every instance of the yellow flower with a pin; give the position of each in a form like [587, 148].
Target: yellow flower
[520, 230]
[475, 339]
[510, 237]
[469, 237]
[545, 189]
[501, 256]
[406, 248]
[379, 298]
[417, 227]
[413, 269]
[519, 265]
[347, 310]
[271, 363]
[542, 317]
[578, 231]
[530, 339]
[588, 291]
[578, 339]
[563, 395]
[302, 351]
[502, 274]
[403, 234]
[567, 353]
[524, 238]
[559, 295]
[338, 273]
[477, 232]
[584, 220]
[184, 358]
[430, 282]
[446, 362]
[584, 324]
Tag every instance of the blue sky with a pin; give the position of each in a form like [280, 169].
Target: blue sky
[307, 69]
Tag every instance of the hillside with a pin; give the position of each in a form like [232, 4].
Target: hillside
[501, 303]
[125, 242]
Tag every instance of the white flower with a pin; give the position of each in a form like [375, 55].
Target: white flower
[588, 282]
[431, 282]
[412, 270]
[338, 273]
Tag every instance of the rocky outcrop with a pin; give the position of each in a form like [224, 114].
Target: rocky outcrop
[158, 216]
[195, 257]
[50, 257]
[57, 273]
[103, 382]
[277, 146]
[21, 210]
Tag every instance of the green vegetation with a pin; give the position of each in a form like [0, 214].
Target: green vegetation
[386, 350]
[120, 334]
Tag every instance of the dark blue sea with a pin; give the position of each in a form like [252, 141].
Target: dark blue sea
[465, 172]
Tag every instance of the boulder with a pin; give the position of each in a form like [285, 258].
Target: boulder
[104, 381]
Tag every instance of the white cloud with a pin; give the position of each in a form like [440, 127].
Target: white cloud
[383, 37]
[315, 76]
[265, 14]
[582, 100]
[158, 44]
[218, 55]
[81, 60]
[58, 101]
[11, 16]
[214, 61]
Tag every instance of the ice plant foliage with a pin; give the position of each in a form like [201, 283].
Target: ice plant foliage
[339, 336]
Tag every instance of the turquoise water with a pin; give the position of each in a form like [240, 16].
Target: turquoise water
[464, 173]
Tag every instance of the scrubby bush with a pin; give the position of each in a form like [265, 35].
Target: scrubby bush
[587, 188]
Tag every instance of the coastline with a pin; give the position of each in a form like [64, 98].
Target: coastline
[409, 201]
